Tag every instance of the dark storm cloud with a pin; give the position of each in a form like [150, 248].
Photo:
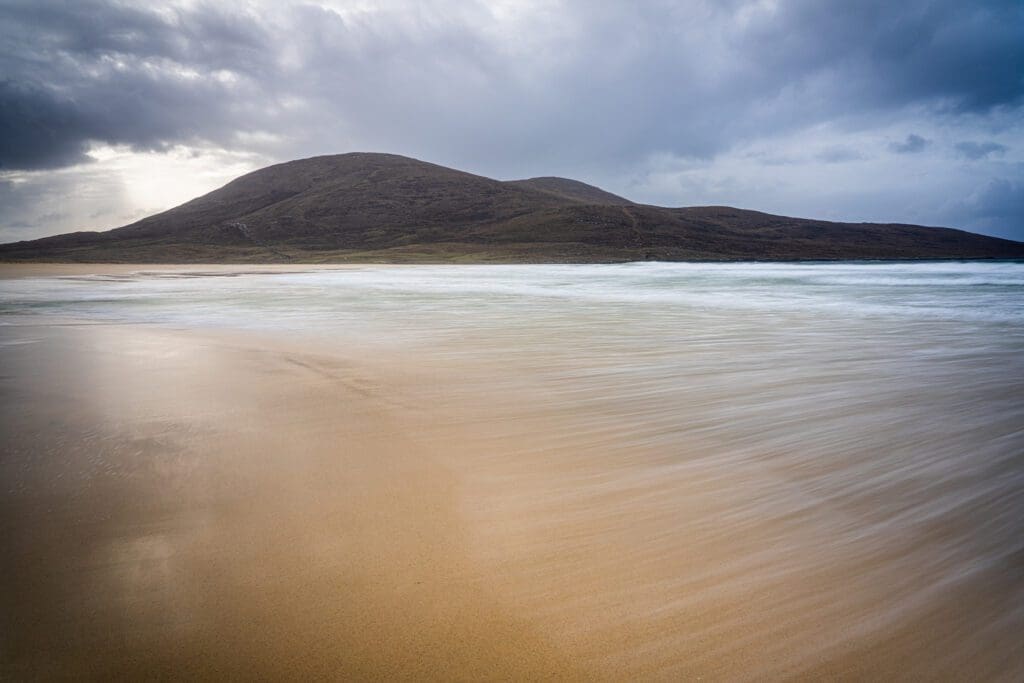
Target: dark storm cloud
[979, 150]
[967, 55]
[913, 144]
[39, 129]
[611, 83]
[85, 72]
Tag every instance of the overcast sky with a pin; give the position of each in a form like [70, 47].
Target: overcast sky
[909, 111]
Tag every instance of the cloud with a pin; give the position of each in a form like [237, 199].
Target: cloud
[997, 208]
[117, 187]
[40, 130]
[912, 145]
[512, 87]
[966, 55]
[979, 150]
[573, 79]
[92, 72]
[838, 155]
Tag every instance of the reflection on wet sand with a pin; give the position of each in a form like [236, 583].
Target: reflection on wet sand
[575, 493]
[193, 508]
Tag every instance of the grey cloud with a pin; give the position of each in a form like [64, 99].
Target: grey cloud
[85, 72]
[39, 129]
[839, 155]
[1003, 198]
[979, 150]
[573, 88]
[913, 143]
[22, 205]
[968, 55]
[48, 203]
[591, 84]
[997, 208]
[54, 216]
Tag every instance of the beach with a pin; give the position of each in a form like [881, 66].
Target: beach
[659, 472]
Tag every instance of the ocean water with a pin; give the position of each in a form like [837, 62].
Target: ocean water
[874, 410]
[468, 297]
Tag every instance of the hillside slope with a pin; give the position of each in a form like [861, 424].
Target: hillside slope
[572, 190]
[365, 207]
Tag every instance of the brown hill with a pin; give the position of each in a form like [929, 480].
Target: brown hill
[381, 207]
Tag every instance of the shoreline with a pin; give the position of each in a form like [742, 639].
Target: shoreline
[19, 269]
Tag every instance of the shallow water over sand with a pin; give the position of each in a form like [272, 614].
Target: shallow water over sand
[732, 470]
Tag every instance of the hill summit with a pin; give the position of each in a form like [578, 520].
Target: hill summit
[384, 207]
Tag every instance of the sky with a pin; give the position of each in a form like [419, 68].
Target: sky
[864, 110]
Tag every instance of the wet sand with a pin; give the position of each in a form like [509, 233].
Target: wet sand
[198, 505]
[188, 507]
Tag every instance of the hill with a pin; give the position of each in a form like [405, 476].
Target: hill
[572, 190]
[382, 207]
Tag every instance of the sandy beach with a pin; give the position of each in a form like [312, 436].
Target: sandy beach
[210, 504]
[510, 340]
[208, 508]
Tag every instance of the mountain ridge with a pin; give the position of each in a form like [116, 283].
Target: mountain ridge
[384, 207]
